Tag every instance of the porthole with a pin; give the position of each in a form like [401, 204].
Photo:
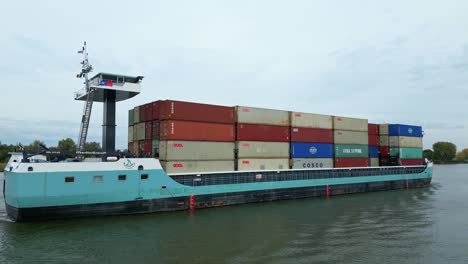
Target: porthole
[144, 176]
[140, 167]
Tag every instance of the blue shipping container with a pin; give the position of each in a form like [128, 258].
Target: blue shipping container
[311, 150]
[404, 130]
[373, 152]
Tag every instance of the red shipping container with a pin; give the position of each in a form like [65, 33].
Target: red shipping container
[411, 162]
[351, 162]
[149, 112]
[312, 135]
[155, 132]
[177, 110]
[252, 132]
[373, 129]
[374, 140]
[197, 131]
[149, 130]
[148, 146]
[143, 110]
[384, 151]
[155, 110]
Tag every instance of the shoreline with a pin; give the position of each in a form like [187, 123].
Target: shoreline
[2, 166]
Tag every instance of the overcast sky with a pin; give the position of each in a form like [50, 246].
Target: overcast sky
[388, 61]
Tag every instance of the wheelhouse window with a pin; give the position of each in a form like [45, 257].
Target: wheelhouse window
[122, 177]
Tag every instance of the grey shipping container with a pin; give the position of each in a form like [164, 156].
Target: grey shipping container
[405, 142]
[139, 131]
[383, 141]
[311, 163]
[383, 129]
[262, 164]
[348, 123]
[350, 137]
[311, 120]
[136, 115]
[197, 166]
[130, 134]
[374, 162]
[195, 150]
[252, 115]
[257, 149]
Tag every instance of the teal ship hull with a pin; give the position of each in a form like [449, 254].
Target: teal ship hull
[50, 191]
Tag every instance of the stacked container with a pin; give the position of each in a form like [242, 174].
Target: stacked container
[262, 139]
[373, 133]
[405, 142]
[351, 142]
[195, 137]
[384, 149]
[311, 141]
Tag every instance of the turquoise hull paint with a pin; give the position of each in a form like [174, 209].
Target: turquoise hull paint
[27, 190]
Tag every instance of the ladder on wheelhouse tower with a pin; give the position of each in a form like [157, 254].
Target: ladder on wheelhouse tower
[86, 68]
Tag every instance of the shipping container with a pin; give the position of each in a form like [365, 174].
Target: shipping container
[351, 162]
[383, 141]
[136, 114]
[406, 153]
[196, 150]
[373, 129]
[253, 132]
[374, 162]
[405, 142]
[261, 116]
[130, 117]
[384, 151]
[197, 131]
[148, 147]
[130, 134]
[148, 112]
[383, 129]
[149, 130]
[312, 163]
[411, 162]
[373, 152]
[142, 113]
[384, 161]
[155, 109]
[139, 131]
[258, 149]
[373, 140]
[348, 123]
[404, 130]
[314, 135]
[155, 144]
[155, 131]
[351, 151]
[130, 147]
[136, 148]
[350, 137]
[187, 111]
[262, 164]
[307, 120]
[311, 150]
[197, 166]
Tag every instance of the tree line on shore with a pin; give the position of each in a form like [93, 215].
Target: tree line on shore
[446, 152]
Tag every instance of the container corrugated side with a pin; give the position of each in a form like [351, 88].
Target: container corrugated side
[383, 141]
[149, 130]
[312, 163]
[188, 111]
[373, 129]
[155, 131]
[348, 123]
[136, 114]
[314, 135]
[311, 150]
[139, 130]
[351, 162]
[383, 129]
[351, 151]
[262, 164]
[254, 132]
[374, 162]
[406, 153]
[258, 149]
[308, 120]
[196, 150]
[405, 130]
[350, 137]
[130, 134]
[261, 116]
[197, 166]
[130, 117]
[405, 142]
[196, 131]
[373, 140]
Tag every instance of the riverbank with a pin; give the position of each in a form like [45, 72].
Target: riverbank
[2, 166]
[450, 162]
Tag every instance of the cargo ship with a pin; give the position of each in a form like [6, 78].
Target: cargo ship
[185, 156]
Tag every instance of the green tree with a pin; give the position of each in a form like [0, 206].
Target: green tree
[460, 156]
[444, 151]
[67, 145]
[465, 151]
[92, 146]
[429, 154]
[35, 146]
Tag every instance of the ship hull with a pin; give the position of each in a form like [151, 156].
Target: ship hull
[141, 206]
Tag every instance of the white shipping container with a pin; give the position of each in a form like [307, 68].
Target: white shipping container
[196, 150]
[252, 115]
[311, 163]
[139, 131]
[311, 120]
[136, 115]
[257, 149]
[405, 142]
[197, 166]
[383, 129]
[262, 164]
[374, 162]
[130, 134]
[348, 123]
[383, 141]
[350, 137]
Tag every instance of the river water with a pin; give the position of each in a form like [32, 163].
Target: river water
[428, 225]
